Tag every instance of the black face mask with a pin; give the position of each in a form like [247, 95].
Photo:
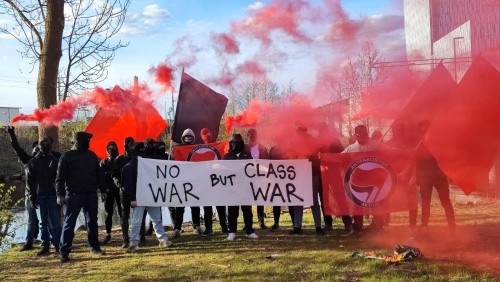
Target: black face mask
[82, 145]
[187, 140]
[161, 150]
[236, 147]
[45, 148]
[112, 152]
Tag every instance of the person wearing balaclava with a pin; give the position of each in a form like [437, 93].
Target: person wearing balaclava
[24, 158]
[118, 165]
[112, 192]
[206, 136]
[41, 176]
[130, 188]
[237, 152]
[187, 138]
[78, 178]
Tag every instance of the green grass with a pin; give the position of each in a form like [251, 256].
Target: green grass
[282, 257]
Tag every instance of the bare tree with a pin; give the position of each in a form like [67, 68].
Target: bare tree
[88, 48]
[41, 37]
[263, 90]
[353, 84]
[85, 45]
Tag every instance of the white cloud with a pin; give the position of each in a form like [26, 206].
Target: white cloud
[255, 6]
[141, 23]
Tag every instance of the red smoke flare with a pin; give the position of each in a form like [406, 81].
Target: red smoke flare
[249, 117]
[116, 100]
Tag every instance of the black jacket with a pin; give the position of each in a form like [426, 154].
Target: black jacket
[118, 165]
[129, 178]
[107, 167]
[79, 172]
[42, 171]
[244, 155]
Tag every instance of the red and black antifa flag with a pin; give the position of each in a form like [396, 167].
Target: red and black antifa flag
[203, 152]
[198, 107]
[368, 182]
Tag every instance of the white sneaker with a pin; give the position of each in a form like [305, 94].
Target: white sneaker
[231, 236]
[176, 234]
[165, 243]
[252, 236]
[133, 247]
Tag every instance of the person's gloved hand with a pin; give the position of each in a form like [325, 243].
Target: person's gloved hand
[10, 129]
[60, 201]
[103, 197]
[34, 202]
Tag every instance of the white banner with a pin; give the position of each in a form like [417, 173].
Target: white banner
[224, 183]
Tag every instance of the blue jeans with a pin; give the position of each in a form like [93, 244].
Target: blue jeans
[32, 232]
[73, 204]
[155, 214]
[315, 208]
[50, 220]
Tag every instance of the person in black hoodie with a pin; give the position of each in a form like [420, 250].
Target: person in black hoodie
[24, 158]
[42, 170]
[118, 165]
[237, 152]
[78, 178]
[130, 186]
[112, 192]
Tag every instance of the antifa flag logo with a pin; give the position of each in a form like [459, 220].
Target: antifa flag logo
[369, 182]
[203, 153]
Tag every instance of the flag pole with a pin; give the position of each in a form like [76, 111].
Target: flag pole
[174, 111]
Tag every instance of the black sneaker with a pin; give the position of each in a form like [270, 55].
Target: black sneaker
[43, 251]
[63, 258]
[26, 247]
[262, 225]
[96, 251]
[207, 233]
[274, 227]
[224, 230]
[319, 230]
[107, 239]
[296, 231]
[125, 244]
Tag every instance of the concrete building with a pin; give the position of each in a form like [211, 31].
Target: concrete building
[454, 31]
[6, 115]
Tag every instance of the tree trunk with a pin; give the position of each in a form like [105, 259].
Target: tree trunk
[51, 52]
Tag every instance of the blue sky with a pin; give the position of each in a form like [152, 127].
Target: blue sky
[152, 27]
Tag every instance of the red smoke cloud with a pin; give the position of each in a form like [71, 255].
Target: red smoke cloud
[251, 68]
[225, 43]
[116, 100]
[163, 75]
[284, 16]
[248, 118]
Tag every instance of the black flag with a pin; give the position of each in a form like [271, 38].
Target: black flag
[198, 106]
